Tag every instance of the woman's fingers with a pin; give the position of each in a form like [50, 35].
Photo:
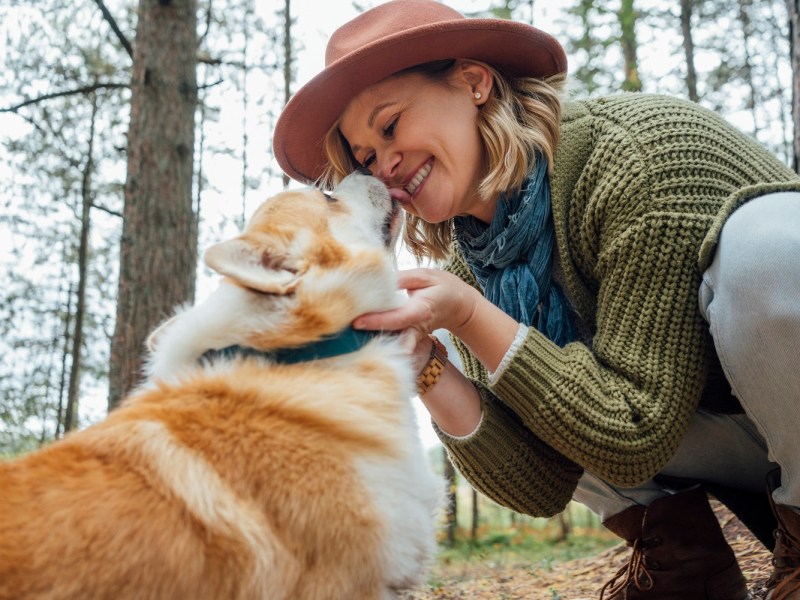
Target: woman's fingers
[432, 302]
[413, 279]
[390, 320]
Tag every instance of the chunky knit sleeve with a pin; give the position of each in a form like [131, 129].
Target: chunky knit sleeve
[620, 408]
[503, 459]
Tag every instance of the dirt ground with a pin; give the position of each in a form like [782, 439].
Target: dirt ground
[579, 579]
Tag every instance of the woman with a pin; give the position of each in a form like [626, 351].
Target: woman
[613, 268]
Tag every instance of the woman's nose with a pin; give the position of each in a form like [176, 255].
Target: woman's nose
[385, 167]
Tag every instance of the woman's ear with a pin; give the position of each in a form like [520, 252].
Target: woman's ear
[478, 77]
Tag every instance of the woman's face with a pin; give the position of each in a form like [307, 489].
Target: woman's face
[420, 137]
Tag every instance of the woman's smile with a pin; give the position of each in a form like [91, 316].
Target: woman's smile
[406, 193]
[419, 177]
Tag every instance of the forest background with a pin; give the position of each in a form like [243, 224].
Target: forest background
[134, 134]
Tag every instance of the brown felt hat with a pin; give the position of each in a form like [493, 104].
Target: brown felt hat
[389, 38]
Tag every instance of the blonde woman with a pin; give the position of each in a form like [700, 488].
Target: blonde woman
[619, 275]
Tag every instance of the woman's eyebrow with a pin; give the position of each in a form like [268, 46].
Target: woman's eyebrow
[375, 111]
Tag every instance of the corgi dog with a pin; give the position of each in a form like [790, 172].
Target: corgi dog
[272, 452]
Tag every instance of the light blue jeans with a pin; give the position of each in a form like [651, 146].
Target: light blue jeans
[750, 297]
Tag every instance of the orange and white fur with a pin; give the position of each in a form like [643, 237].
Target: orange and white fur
[237, 477]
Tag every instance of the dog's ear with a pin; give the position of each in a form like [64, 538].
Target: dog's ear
[254, 266]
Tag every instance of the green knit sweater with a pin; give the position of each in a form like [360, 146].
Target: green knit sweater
[641, 185]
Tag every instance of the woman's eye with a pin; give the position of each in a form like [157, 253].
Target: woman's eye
[388, 131]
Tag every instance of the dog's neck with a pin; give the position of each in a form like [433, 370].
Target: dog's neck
[346, 341]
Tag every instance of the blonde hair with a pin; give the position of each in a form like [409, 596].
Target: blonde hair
[519, 119]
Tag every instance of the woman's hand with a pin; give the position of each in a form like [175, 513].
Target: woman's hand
[436, 300]
[440, 300]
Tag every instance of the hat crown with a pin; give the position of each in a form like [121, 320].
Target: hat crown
[385, 20]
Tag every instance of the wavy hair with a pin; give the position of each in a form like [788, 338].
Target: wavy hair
[519, 120]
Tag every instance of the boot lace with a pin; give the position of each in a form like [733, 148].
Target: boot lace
[634, 572]
[785, 578]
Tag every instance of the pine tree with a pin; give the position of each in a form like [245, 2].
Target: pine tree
[158, 248]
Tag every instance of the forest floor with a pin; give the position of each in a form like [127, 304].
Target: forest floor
[578, 579]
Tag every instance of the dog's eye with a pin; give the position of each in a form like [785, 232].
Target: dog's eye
[328, 197]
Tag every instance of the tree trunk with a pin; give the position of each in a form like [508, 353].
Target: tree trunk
[780, 92]
[564, 525]
[627, 21]
[747, 70]
[62, 381]
[287, 61]
[158, 249]
[688, 48]
[248, 17]
[451, 512]
[476, 517]
[73, 389]
[793, 7]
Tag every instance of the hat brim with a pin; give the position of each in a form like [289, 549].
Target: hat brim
[514, 48]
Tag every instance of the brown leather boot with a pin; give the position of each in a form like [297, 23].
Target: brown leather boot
[679, 552]
[784, 583]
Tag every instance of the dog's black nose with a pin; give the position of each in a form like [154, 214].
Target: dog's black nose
[364, 171]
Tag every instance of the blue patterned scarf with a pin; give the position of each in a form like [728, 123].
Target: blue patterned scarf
[511, 258]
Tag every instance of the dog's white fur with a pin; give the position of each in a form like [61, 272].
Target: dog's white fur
[237, 477]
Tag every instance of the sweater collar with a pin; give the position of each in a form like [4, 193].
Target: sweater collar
[344, 342]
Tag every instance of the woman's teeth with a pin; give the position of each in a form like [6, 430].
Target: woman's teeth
[417, 179]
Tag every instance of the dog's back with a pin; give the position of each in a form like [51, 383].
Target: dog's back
[236, 485]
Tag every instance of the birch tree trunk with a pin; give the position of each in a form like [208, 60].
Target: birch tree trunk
[158, 250]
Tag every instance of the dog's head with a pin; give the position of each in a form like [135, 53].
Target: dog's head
[313, 261]
[300, 230]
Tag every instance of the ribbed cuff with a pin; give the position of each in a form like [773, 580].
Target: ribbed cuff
[443, 435]
[504, 461]
[519, 339]
[531, 374]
